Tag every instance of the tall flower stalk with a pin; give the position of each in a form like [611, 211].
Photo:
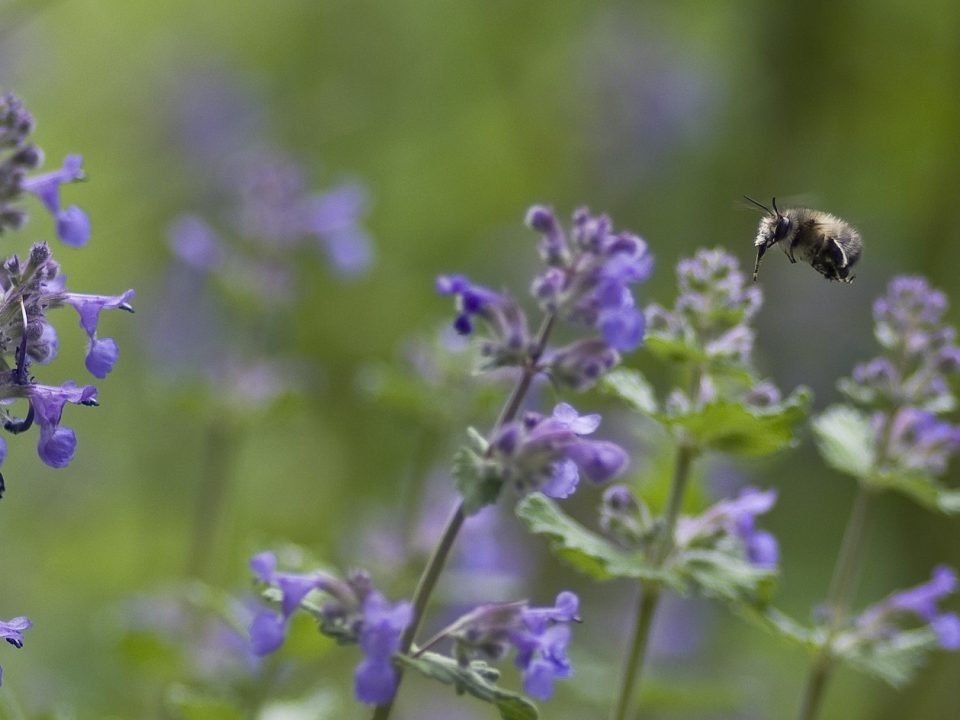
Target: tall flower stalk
[903, 444]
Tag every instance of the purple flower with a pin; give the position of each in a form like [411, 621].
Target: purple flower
[102, 353]
[540, 636]
[921, 601]
[355, 612]
[196, 244]
[12, 632]
[919, 441]
[920, 351]
[548, 453]
[334, 217]
[509, 341]
[73, 226]
[376, 678]
[736, 518]
[588, 280]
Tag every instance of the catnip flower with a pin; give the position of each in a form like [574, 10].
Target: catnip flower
[920, 351]
[589, 275]
[540, 636]
[735, 519]
[919, 441]
[587, 281]
[73, 226]
[354, 612]
[12, 632]
[880, 620]
[713, 310]
[548, 453]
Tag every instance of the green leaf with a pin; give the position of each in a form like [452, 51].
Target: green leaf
[894, 660]
[782, 625]
[726, 576]
[674, 350]
[477, 678]
[192, 705]
[588, 552]
[739, 429]
[631, 387]
[845, 440]
[477, 490]
[847, 443]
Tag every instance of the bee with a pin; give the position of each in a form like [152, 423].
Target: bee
[830, 245]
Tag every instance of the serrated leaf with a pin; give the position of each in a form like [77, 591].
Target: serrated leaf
[782, 625]
[474, 679]
[726, 576]
[588, 552]
[631, 387]
[894, 660]
[477, 491]
[845, 440]
[739, 429]
[920, 487]
[673, 349]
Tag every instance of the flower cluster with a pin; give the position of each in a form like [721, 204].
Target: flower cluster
[908, 385]
[18, 156]
[879, 621]
[734, 520]
[548, 453]
[713, 310]
[920, 350]
[540, 636]
[31, 287]
[587, 281]
[354, 613]
[12, 632]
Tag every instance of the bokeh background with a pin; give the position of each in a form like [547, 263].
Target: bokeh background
[454, 117]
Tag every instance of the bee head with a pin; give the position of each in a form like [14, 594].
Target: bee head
[774, 227]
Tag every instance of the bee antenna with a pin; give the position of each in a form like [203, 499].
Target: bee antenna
[758, 204]
[775, 207]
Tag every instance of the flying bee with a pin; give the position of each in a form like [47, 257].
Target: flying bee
[830, 245]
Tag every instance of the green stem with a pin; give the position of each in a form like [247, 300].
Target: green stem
[842, 587]
[650, 593]
[212, 499]
[431, 573]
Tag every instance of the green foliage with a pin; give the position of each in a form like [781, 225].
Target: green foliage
[847, 443]
[725, 576]
[718, 572]
[726, 426]
[477, 490]
[740, 429]
[192, 705]
[478, 679]
[586, 551]
[895, 660]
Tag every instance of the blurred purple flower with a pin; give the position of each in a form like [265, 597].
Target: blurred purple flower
[735, 518]
[383, 623]
[921, 601]
[12, 632]
[919, 441]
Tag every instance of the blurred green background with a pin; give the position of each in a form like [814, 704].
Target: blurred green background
[457, 116]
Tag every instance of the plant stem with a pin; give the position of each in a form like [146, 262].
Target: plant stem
[842, 587]
[650, 592]
[212, 499]
[431, 573]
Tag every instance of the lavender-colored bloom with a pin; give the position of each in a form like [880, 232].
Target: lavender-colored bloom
[73, 226]
[540, 636]
[354, 612]
[509, 341]
[588, 279]
[102, 353]
[919, 441]
[580, 364]
[549, 452]
[921, 601]
[376, 678]
[334, 217]
[57, 444]
[12, 632]
[196, 244]
[735, 518]
[920, 351]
